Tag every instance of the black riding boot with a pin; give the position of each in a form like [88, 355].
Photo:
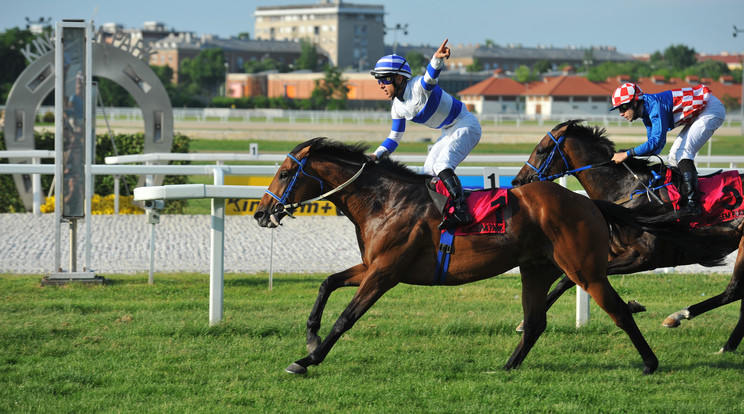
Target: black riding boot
[690, 188]
[460, 216]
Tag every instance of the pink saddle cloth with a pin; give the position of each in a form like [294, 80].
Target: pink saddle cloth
[485, 206]
[720, 196]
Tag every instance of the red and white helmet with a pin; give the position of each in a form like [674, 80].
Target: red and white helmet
[626, 93]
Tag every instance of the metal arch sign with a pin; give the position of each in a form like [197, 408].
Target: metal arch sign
[111, 62]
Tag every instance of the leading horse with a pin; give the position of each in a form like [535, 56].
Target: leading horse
[585, 152]
[550, 231]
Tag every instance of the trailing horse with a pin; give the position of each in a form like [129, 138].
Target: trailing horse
[549, 230]
[585, 152]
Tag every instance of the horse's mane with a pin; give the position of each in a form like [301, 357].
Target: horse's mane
[355, 153]
[597, 136]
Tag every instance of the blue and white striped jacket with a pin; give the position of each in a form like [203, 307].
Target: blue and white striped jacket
[424, 102]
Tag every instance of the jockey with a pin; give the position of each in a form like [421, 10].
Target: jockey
[421, 100]
[695, 107]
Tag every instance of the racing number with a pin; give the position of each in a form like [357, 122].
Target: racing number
[729, 191]
[498, 203]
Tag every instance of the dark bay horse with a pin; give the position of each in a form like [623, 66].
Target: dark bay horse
[574, 148]
[550, 231]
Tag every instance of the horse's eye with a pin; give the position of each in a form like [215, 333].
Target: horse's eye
[283, 175]
[541, 151]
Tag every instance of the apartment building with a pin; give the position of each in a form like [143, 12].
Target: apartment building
[351, 35]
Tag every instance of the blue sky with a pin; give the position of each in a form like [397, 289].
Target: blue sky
[632, 26]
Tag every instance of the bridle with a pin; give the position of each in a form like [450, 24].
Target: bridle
[287, 208]
[542, 171]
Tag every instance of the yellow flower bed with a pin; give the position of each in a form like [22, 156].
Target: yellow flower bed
[101, 205]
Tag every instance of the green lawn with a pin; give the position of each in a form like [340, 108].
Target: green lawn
[131, 347]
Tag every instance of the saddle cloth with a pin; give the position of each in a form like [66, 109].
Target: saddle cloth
[485, 206]
[720, 196]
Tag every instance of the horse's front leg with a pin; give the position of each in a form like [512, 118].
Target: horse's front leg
[370, 290]
[349, 277]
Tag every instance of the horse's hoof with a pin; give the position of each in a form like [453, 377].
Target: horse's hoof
[296, 368]
[636, 307]
[670, 323]
[520, 327]
[313, 345]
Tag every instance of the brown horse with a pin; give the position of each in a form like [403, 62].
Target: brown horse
[585, 152]
[550, 231]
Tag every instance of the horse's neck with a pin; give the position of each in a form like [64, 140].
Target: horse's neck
[374, 194]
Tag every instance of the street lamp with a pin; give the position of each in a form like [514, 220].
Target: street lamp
[741, 113]
[398, 27]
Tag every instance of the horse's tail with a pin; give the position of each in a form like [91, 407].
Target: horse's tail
[708, 248]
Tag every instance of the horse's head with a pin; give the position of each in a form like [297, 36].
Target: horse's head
[547, 161]
[296, 180]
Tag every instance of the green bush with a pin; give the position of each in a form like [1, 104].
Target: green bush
[10, 202]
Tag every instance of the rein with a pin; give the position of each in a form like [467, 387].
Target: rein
[282, 200]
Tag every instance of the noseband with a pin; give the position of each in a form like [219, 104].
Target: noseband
[282, 207]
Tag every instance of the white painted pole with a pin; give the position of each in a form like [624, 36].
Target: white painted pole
[582, 307]
[151, 278]
[36, 188]
[217, 261]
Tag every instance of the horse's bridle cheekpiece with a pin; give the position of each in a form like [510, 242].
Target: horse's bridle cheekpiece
[287, 208]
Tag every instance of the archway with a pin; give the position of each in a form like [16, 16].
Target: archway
[128, 71]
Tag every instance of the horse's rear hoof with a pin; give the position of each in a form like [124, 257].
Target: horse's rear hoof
[670, 323]
[296, 368]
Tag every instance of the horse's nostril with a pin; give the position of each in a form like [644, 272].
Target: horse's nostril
[516, 182]
[258, 215]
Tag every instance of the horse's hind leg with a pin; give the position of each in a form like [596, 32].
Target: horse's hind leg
[349, 277]
[536, 281]
[733, 292]
[607, 298]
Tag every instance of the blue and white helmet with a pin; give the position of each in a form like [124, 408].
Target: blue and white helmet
[391, 65]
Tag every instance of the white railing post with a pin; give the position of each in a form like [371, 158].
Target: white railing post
[217, 261]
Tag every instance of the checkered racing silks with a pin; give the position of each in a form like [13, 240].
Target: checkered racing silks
[688, 103]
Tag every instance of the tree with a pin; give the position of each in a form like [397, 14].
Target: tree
[542, 66]
[244, 35]
[12, 62]
[679, 57]
[203, 74]
[308, 56]
[523, 74]
[417, 62]
[255, 66]
[476, 66]
[331, 91]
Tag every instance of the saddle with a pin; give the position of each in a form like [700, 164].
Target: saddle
[720, 196]
[485, 206]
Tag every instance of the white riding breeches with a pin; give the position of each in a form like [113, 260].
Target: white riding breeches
[455, 143]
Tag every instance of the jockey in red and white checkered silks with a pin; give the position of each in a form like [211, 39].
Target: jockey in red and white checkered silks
[694, 108]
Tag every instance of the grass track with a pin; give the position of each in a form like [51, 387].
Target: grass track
[131, 347]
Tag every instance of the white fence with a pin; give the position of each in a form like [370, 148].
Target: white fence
[270, 115]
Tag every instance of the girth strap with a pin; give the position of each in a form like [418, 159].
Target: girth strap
[443, 256]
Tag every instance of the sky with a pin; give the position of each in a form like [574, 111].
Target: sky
[631, 26]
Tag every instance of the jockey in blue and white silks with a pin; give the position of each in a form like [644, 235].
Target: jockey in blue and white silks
[421, 100]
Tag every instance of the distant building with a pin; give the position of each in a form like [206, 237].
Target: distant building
[351, 35]
[566, 95]
[172, 50]
[495, 95]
